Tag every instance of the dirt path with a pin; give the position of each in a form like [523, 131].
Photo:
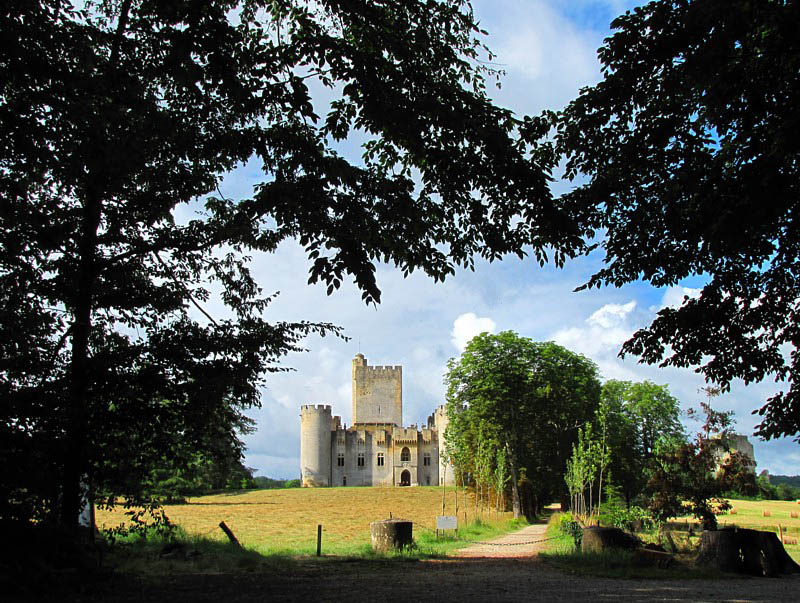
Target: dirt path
[523, 543]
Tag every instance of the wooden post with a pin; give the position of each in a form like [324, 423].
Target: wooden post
[780, 529]
[319, 540]
[229, 534]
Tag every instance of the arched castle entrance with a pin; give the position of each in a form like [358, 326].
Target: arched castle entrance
[405, 478]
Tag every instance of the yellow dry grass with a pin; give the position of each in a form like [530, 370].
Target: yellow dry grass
[286, 520]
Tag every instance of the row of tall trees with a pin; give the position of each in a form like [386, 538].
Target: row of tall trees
[632, 424]
[515, 406]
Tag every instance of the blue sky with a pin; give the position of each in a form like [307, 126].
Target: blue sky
[548, 49]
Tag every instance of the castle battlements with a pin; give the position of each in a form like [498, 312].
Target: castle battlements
[386, 368]
[325, 408]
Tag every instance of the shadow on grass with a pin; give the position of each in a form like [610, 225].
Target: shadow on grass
[615, 563]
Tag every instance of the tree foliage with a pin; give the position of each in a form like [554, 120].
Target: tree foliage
[523, 401]
[693, 476]
[638, 417]
[690, 145]
[119, 119]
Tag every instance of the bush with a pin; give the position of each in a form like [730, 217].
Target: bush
[566, 525]
[630, 518]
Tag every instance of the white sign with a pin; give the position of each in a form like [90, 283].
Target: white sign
[446, 522]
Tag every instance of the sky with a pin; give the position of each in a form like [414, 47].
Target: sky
[548, 51]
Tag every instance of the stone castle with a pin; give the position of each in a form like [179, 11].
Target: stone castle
[376, 450]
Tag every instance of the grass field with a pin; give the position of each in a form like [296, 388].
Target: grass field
[285, 521]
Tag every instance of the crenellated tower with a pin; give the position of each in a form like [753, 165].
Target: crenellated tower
[377, 393]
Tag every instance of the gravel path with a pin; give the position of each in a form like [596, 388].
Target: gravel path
[522, 543]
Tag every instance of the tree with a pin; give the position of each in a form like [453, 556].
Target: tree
[685, 476]
[690, 150]
[526, 399]
[638, 417]
[120, 116]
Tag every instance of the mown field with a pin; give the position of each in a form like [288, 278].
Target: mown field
[285, 521]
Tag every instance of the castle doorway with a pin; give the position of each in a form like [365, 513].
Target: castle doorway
[405, 478]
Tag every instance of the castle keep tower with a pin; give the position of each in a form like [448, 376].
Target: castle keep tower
[377, 393]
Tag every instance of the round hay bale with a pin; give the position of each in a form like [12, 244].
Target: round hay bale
[391, 534]
[597, 538]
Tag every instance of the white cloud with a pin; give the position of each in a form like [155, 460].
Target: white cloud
[673, 296]
[611, 315]
[467, 326]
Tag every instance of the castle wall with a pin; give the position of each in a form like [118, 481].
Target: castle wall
[405, 438]
[377, 393]
[428, 447]
[354, 442]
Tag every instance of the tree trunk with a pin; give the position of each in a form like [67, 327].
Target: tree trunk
[391, 534]
[596, 539]
[746, 552]
[77, 413]
[600, 491]
[444, 488]
[515, 503]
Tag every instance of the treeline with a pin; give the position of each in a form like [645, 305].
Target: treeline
[779, 487]
[530, 423]
[268, 483]
[172, 484]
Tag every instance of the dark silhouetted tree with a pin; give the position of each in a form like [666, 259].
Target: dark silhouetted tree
[691, 151]
[120, 117]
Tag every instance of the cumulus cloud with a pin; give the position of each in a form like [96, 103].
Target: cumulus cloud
[673, 296]
[611, 315]
[467, 326]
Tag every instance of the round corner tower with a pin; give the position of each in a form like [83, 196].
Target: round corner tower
[441, 420]
[315, 445]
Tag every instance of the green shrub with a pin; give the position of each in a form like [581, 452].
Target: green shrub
[565, 524]
[616, 513]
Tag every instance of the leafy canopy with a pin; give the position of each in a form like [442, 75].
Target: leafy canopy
[121, 116]
[690, 145]
[523, 400]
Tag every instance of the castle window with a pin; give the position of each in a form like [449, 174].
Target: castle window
[405, 455]
[380, 459]
[426, 459]
[340, 460]
[427, 480]
[360, 459]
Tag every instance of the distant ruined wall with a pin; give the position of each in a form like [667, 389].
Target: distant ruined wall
[377, 393]
[740, 443]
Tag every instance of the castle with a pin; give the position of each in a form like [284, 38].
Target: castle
[376, 450]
